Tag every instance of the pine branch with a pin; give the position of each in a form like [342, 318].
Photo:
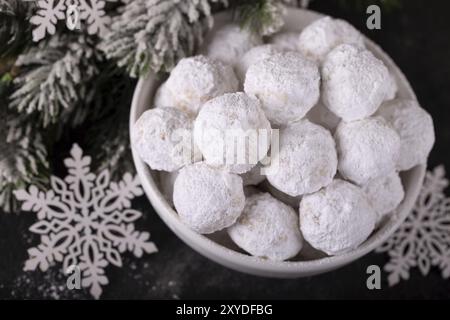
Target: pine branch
[54, 79]
[108, 122]
[155, 34]
[264, 17]
[15, 28]
[23, 155]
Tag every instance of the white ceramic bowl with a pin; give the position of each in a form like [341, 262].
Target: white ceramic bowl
[224, 252]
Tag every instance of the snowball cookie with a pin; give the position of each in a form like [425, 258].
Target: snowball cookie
[254, 176]
[322, 116]
[287, 85]
[416, 130]
[254, 55]
[208, 199]
[163, 139]
[267, 228]
[323, 35]
[354, 82]
[385, 194]
[368, 149]
[337, 219]
[163, 97]
[229, 43]
[306, 160]
[232, 131]
[198, 79]
[286, 41]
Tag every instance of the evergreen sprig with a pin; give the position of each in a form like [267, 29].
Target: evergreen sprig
[54, 80]
[155, 34]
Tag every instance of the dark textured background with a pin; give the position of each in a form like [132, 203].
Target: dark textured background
[417, 36]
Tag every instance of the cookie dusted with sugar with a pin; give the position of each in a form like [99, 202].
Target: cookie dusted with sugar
[232, 132]
[196, 80]
[385, 194]
[208, 199]
[306, 160]
[416, 130]
[325, 34]
[229, 43]
[267, 228]
[287, 85]
[337, 219]
[354, 82]
[254, 55]
[368, 149]
[163, 139]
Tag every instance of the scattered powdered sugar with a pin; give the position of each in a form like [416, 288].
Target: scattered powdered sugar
[337, 219]
[232, 131]
[229, 43]
[306, 160]
[198, 79]
[287, 85]
[385, 194]
[254, 55]
[354, 82]
[323, 35]
[285, 40]
[368, 149]
[163, 139]
[208, 199]
[267, 228]
[416, 130]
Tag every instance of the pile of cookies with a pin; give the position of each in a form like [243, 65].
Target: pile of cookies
[331, 139]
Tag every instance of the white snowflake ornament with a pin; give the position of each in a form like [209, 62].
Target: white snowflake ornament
[86, 221]
[49, 12]
[423, 240]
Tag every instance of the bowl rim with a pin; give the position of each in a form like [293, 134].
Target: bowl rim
[255, 265]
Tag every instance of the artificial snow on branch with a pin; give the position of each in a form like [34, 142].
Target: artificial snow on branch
[55, 77]
[155, 34]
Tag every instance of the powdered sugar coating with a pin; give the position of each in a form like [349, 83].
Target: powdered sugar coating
[195, 80]
[254, 55]
[229, 43]
[267, 228]
[225, 120]
[337, 219]
[416, 130]
[163, 97]
[325, 34]
[163, 139]
[368, 149]
[385, 194]
[287, 41]
[354, 82]
[208, 199]
[287, 85]
[322, 116]
[306, 160]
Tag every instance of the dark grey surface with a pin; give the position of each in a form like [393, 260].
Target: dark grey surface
[417, 38]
